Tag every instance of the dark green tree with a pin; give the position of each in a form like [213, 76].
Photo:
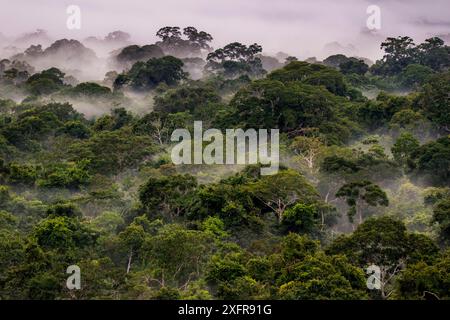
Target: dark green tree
[360, 194]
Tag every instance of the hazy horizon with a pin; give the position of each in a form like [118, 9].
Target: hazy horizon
[296, 27]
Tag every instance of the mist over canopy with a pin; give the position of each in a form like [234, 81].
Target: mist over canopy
[300, 28]
[93, 122]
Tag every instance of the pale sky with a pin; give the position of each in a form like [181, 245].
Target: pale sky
[301, 28]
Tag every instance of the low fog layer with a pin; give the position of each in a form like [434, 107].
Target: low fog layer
[300, 28]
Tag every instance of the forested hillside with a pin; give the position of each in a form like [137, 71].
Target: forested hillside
[86, 176]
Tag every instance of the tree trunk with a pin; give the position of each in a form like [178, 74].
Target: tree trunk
[359, 213]
[129, 261]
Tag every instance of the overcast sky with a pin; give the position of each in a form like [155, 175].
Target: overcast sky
[299, 27]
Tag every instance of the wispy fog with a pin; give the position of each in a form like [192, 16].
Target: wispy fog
[301, 28]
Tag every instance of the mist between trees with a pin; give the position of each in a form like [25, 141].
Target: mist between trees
[87, 177]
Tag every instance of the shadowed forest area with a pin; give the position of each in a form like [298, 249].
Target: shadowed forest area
[86, 176]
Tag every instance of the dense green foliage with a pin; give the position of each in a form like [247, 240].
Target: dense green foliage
[362, 181]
